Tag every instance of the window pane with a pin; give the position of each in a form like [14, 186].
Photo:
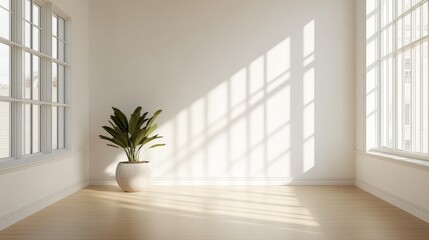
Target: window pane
[61, 51]
[36, 39]
[425, 96]
[386, 12]
[36, 14]
[416, 1]
[406, 5]
[4, 24]
[31, 128]
[386, 41]
[27, 76]
[387, 99]
[5, 4]
[61, 28]
[27, 11]
[58, 127]
[54, 83]
[26, 115]
[36, 129]
[399, 34]
[399, 8]
[406, 100]
[54, 127]
[61, 83]
[54, 48]
[416, 33]
[425, 19]
[4, 70]
[54, 25]
[36, 78]
[390, 12]
[27, 35]
[400, 105]
[4, 129]
[407, 29]
[61, 128]
[416, 100]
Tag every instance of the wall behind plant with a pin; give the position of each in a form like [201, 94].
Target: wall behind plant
[252, 91]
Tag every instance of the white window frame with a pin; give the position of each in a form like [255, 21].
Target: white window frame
[378, 136]
[16, 98]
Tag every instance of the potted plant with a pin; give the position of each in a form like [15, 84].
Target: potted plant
[131, 136]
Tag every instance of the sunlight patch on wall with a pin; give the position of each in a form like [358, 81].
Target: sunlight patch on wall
[240, 128]
[372, 72]
[308, 97]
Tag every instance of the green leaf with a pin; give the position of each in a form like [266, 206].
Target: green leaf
[114, 141]
[146, 140]
[138, 128]
[122, 118]
[110, 130]
[113, 125]
[118, 123]
[151, 129]
[152, 119]
[140, 137]
[111, 145]
[130, 135]
[157, 145]
[134, 119]
[142, 120]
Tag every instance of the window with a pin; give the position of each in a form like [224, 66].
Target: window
[58, 81]
[33, 79]
[5, 80]
[397, 75]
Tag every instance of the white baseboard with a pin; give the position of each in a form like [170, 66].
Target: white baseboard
[414, 209]
[102, 181]
[32, 208]
[235, 181]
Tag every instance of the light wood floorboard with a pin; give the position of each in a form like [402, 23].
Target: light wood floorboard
[205, 213]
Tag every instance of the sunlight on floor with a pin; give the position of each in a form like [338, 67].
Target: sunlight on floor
[220, 212]
[232, 203]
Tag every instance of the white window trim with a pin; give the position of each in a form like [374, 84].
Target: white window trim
[18, 48]
[383, 151]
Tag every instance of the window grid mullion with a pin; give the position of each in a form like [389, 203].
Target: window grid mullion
[17, 75]
[47, 40]
[32, 24]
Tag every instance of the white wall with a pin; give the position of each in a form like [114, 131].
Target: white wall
[29, 188]
[252, 91]
[402, 183]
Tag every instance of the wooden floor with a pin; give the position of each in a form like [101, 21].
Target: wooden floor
[205, 213]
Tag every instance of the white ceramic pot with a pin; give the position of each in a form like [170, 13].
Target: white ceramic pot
[133, 177]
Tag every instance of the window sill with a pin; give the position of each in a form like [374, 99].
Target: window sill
[406, 161]
[12, 165]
